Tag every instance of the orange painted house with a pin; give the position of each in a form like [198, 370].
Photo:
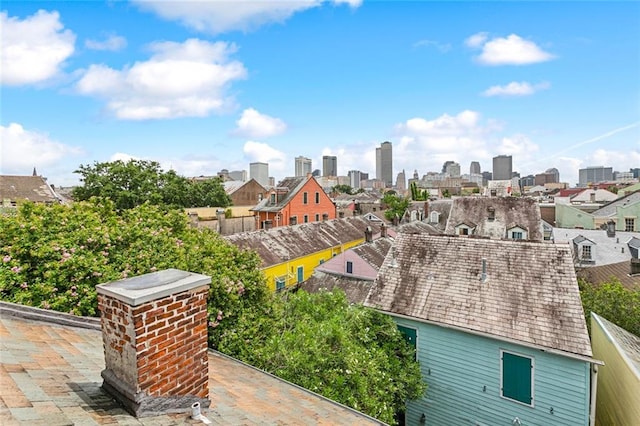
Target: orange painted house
[295, 200]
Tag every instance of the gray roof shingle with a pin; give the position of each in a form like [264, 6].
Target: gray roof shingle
[531, 294]
[284, 243]
[32, 188]
[509, 212]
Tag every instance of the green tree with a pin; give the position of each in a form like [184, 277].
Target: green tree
[348, 353]
[614, 302]
[396, 205]
[344, 189]
[52, 257]
[135, 182]
[418, 194]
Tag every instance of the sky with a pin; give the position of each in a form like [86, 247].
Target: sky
[201, 86]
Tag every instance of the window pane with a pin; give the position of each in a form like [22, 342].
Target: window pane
[349, 267]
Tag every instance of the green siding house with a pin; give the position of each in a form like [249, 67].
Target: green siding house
[498, 328]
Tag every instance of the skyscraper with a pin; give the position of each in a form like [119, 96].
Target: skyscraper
[594, 175]
[401, 181]
[303, 166]
[502, 167]
[384, 164]
[329, 165]
[474, 169]
[355, 177]
[259, 172]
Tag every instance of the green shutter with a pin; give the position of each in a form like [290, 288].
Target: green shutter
[516, 377]
[409, 334]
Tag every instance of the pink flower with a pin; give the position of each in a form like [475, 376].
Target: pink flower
[46, 305]
[153, 269]
[240, 291]
[66, 255]
[6, 259]
[24, 286]
[219, 317]
[97, 274]
[179, 243]
[213, 324]
[16, 269]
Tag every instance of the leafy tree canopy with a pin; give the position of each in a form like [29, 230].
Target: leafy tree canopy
[132, 183]
[345, 189]
[612, 301]
[396, 205]
[52, 257]
[418, 194]
[349, 353]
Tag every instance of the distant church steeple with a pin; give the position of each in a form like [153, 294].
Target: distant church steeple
[34, 172]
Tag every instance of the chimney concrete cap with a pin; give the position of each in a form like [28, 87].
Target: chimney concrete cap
[156, 285]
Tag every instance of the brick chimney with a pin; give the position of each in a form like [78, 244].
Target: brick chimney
[154, 331]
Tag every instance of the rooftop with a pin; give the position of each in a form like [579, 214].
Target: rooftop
[530, 295]
[608, 249]
[506, 213]
[32, 188]
[50, 375]
[628, 344]
[283, 243]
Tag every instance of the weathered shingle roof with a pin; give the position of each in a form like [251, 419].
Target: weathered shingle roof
[524, 212]
[32, 188]
[284, 243]
[603, 273]
[50, 376]
[531, 294]
[355, 289]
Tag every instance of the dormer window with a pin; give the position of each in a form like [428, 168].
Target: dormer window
[586, 252]
[272, 199]
[491, 214]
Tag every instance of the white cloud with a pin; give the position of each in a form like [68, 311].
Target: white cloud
[217, 16]
[112, 42]
[24, 149]
[512, 50]
[515, 88]
[476, 40]
[264, 153]
[253, 124]
[179, 80]
[33, 49]
[442, 47]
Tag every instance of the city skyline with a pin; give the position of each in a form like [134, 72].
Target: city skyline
[207, 87]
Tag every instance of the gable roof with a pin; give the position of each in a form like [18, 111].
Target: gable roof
[611, 209]
[289, 187]
[232, 186]
[600, 274]
[599, 196]
[628, 344]
[284, 243]
[50, 375]
[507, 210]
[531, 295]
[32, 188]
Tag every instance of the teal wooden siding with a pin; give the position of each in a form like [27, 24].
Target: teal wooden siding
[462, 372]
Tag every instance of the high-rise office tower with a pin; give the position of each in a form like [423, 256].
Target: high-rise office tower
[259, 172]
[303, 166]
[502, 167]
[384, 164]
[329, 165]
[451, 169]
[594, 175]
[355, 177]
[401, 181]
[474, 169]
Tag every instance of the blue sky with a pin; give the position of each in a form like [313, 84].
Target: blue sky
[205, 85]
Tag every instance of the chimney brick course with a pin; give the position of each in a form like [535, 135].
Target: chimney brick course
[155, 341]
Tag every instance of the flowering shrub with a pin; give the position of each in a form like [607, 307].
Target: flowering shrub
[52, 257]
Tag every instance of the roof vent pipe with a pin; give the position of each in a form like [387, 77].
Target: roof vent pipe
[483, 276]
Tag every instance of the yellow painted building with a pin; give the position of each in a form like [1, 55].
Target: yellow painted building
[618, 397]
[290, 254]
